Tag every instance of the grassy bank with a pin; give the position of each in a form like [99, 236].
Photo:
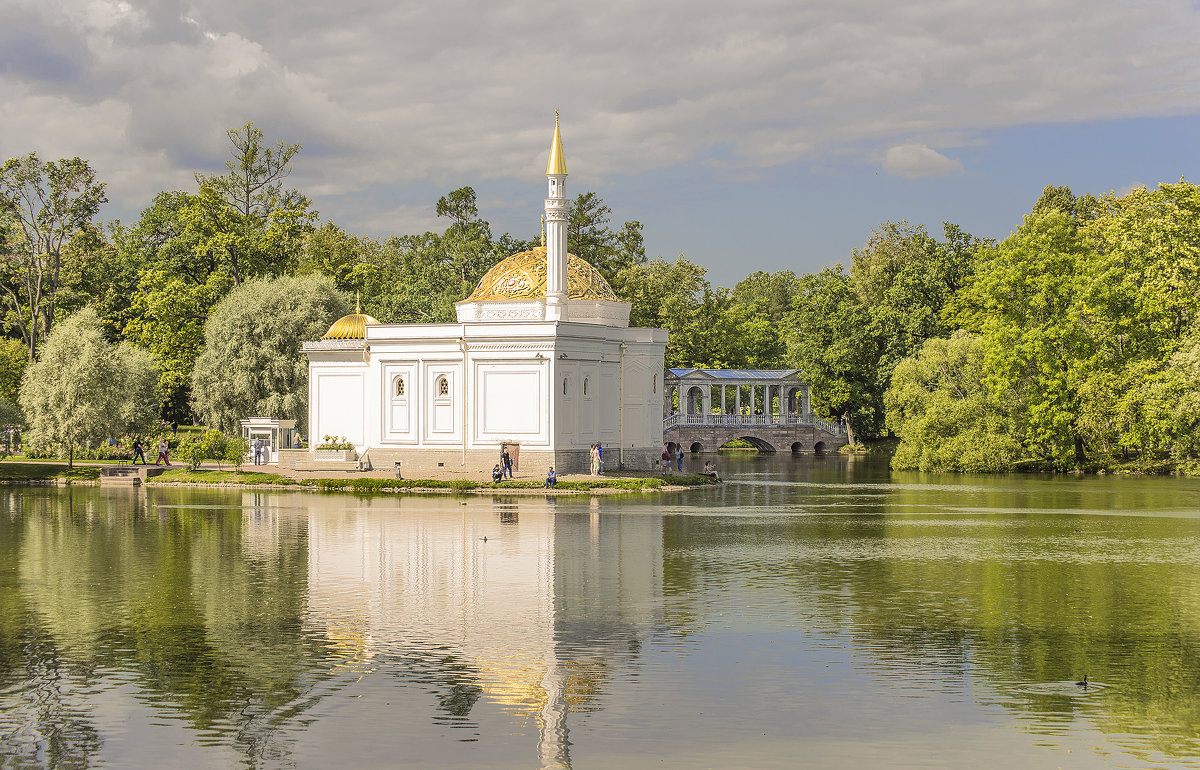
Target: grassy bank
[46, 471]
[626, 483]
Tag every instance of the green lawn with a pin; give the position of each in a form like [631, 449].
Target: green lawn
[35, 470]
[204, 476]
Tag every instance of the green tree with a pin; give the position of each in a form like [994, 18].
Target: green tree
[1027, 288]
[252, 364]
[833, 343]
[590, 238]
[946, 418]
[82, 389]
[193, 248]
[14, 358]
[906, 278]
[43, 205]
[252, 184]
[466, 246]
[332, 251]
[673, 296]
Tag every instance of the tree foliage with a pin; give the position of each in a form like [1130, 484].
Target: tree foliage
[251, 364]
[947, 419]
[43, 205]
[1086, 317]
[82, 389]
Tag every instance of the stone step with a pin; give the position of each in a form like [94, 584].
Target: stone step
[108, 471]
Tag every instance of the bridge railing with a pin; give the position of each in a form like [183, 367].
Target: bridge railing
[750, 420]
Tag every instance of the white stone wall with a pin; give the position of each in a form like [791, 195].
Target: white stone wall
[510, 388]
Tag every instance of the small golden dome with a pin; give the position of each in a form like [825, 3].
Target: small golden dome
[351, 327]
[523, 276]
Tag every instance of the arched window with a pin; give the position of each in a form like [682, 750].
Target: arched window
[399, 386]
[585, 384]
[654, 385]
[443, 386]
[564, 386]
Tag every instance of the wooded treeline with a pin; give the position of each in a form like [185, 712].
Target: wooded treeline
[1070, 344]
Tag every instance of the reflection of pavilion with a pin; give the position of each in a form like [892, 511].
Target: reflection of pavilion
[540, 609]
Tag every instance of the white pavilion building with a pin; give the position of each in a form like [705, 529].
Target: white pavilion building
[542, 358]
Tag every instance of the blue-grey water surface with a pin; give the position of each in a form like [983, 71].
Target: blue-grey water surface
[813, 612]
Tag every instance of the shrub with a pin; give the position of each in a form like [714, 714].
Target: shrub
[236, 450]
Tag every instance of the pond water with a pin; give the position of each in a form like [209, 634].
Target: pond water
[820, 612]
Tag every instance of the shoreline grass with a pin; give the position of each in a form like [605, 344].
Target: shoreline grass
[254, 478]
[36, 470]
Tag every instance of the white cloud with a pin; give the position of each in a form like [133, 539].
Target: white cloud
[914, 160]
[435, 94]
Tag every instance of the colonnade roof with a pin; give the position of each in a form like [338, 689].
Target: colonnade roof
[743, 375]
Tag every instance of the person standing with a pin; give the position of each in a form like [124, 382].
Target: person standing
[258, 451]
[505, 462]
[595, 469]
[666, 460]
[599, 459]
[163, 456]
[138, 452]
[679, 458]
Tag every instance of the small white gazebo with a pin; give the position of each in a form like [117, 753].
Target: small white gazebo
[276, 435]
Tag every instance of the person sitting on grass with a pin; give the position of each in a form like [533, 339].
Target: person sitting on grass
[551, 479]
[497, 475]
[710, 470]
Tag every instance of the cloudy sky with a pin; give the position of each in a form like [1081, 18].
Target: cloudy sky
[760, 134]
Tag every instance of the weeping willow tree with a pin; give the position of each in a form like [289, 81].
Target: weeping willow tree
[81, 389]
[252, 364]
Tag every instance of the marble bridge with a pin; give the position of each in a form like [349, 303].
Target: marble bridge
[768, 408]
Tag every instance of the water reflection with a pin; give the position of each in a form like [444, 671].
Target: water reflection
[808, 608]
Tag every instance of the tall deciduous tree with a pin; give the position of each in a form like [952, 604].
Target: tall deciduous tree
[834, 345]
[253, 180]
[252, 364]
[45, 204]
[590, 238]
[671, 296]
[82, 389]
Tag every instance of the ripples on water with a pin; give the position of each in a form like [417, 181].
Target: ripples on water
[818, 612]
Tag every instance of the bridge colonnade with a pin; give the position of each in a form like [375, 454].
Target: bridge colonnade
[773, 394]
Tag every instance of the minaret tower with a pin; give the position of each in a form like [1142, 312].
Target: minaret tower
[556, 230]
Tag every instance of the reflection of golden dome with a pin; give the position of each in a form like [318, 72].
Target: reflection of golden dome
[351, 327]
[523, 276]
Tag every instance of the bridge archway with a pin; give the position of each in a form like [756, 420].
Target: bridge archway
[797, 447]
[758, 443]
[820, 447]
[697, 447]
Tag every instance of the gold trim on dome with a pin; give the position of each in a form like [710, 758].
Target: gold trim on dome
[351, 327]
[523, 276]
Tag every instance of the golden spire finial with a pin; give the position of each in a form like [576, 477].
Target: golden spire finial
[357, 309]
[558, 161]
[543, 231]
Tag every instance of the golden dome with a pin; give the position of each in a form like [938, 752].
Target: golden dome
[523, 276]
[351, 327]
